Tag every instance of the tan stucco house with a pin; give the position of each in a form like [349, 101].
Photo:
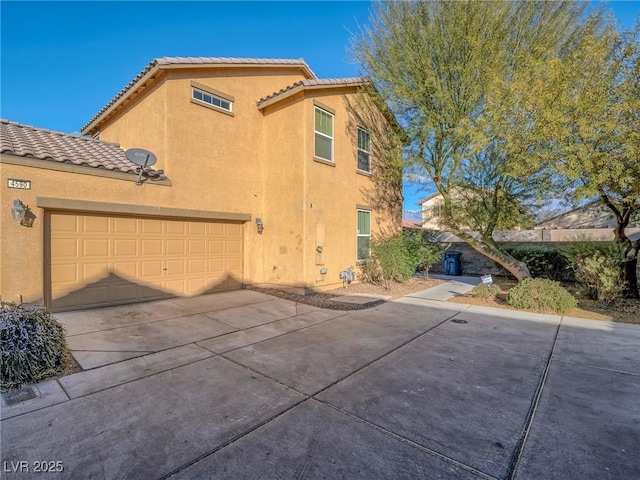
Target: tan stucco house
[262, 178]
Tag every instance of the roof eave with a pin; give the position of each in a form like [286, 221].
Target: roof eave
[299, 88]
[91, 127]
[150, 75]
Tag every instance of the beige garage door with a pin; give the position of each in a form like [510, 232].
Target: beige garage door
[97, 260]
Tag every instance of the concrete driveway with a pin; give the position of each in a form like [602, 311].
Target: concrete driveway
[244, 385]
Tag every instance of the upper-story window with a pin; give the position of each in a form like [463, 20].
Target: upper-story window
[212, 100]
[364, 150]
[324, 134]
[209, 97]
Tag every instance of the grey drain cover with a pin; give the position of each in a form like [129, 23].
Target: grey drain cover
[459, 320]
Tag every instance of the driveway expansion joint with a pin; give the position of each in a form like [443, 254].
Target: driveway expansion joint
[232, 440]
[517, 453]
[411, 443]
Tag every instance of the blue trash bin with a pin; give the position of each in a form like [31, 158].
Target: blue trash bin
[452, 263]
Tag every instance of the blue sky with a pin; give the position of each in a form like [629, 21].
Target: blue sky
[62, 61]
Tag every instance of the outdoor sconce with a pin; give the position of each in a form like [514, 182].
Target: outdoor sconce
[259, 225]
[18, 211]
[21, 214]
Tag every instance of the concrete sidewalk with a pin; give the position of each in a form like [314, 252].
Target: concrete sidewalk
[454, 286]
[242, 385]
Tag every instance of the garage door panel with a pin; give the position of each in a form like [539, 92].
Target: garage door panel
[152, 247]
[66, 273]
[215, 247]
[215, 229]
[95, 295]
[176, 228]
[176, 287]
[64, 223]
[176, 247]
[176, 267]
[151, 269]
[96, 224]
[196, 247]
[233, 247]
[65, 248]
[125, 247]
[197, 228]
[151, 226]
[216, 266]
[125, 225]
[126, 269]
[95, 247]
[97, 260]
[92, 272]
[197, 266]
[126, 292]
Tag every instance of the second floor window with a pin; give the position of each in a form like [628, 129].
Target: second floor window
[324, 135]
[212, 100]
[364, 150]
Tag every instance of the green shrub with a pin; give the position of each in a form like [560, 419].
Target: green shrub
[424, 253]
[394, 258]
[397, 257]
[598, 268]
[541, 294]
[485, 291]
[543, 262]
[600, 277]
[32, 342]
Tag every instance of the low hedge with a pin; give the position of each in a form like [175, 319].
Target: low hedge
[32, 344]
[541, 294]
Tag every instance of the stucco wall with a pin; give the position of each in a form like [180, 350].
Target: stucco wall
[22, 248]
[255, 162]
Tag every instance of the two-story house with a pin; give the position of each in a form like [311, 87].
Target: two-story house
[262, 178]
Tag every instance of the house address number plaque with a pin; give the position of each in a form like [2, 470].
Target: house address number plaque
[17, 183]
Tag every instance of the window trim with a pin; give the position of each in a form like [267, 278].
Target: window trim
[331, 138]
[358, 150]
[358, 235]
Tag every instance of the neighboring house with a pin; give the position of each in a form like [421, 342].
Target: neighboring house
[262, 178]
[591, 215]
[432, 207]
[432, 211]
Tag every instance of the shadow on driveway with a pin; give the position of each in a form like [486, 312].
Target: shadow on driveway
[242, 385]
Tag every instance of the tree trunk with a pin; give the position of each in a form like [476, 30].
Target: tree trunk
[630, 276]
[628, 266]
[490, 249]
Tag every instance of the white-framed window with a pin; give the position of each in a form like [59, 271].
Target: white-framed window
[209, 98]
[436, 210]
[324, 134]
[363, 234]
[364, 150]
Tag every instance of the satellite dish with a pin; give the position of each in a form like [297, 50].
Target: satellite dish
[141, 157]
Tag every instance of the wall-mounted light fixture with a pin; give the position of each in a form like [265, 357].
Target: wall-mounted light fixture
[18, 211]
[259, 225]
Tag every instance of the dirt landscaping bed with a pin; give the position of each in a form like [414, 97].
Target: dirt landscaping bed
[620, 310]
[328, 299]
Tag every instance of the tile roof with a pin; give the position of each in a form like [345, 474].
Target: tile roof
[311, 83]
[411, 224]
[197, 61]
[31, 142]
[428, 197]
